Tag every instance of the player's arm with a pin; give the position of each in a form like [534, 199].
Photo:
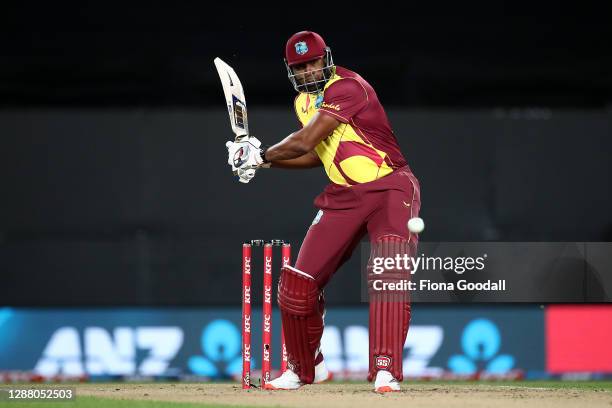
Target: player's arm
[306, 161]
[303, 141]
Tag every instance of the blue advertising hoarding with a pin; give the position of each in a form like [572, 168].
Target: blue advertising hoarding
[206, 341]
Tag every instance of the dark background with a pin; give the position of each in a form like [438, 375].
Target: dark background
[159, 53]
[115, 189]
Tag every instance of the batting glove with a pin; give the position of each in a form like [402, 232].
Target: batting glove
[245, 175]
[245, 154]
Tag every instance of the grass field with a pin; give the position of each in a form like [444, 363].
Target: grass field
[523, 394]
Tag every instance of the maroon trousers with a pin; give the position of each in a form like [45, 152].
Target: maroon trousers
[379, 208]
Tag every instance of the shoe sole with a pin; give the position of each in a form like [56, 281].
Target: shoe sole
[384, 389]
[270, 387]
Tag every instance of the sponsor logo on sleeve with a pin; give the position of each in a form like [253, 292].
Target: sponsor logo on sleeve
[330, 106]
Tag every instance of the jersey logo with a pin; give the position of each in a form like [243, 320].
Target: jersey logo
[319, 101]
[301, 48]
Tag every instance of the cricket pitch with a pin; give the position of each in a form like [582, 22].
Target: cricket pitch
[352, 395]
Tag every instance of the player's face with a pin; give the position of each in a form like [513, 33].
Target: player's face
[308, 72]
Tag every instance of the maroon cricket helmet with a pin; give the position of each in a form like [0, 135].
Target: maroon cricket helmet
[304, 46]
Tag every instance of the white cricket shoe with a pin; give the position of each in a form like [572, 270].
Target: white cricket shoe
[287, 381]
[290, 380]
[385, 382]
[321, 373]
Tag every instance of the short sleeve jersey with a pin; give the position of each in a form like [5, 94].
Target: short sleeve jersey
[363, 147]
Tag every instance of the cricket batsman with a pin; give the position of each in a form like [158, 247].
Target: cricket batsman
[372, 191]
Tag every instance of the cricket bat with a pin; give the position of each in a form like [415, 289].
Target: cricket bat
[234, 98]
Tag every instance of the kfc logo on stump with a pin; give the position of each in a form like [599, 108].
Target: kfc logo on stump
[383, 362]
[247, 323]
[247, 353]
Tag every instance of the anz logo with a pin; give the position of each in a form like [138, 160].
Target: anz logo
[220, 342]
[481, 343]
[95, 351]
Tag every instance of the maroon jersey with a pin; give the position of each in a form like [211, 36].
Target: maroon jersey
[363, 147]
